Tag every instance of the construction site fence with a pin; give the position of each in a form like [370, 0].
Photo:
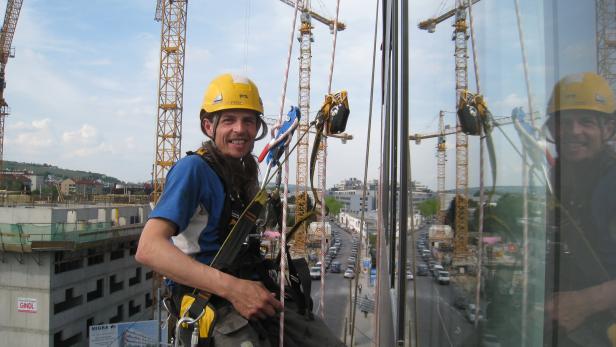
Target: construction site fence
[26, 233]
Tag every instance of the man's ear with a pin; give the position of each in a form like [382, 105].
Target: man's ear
[207, 127]
[610, 127]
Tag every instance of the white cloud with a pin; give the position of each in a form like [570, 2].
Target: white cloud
[87, 134]
[29, 138]
[91, 151]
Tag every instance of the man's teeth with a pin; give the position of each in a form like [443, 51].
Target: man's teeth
[238, 142]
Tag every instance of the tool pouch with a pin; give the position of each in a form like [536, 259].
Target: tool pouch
[220, 327]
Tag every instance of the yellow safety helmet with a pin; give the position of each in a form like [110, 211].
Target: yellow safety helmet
[229, 91]
[582, 91]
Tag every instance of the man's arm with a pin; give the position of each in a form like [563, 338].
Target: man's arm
[574, 307]
[155, 250]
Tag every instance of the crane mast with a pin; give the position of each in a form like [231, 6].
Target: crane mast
[13, 8]
[298, 250]
[172, 15]
[441, 155]
[460, 37]
[606, 40]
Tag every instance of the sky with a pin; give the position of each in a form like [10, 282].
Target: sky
[83, 84]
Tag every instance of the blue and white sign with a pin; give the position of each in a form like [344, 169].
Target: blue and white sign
[133, 334]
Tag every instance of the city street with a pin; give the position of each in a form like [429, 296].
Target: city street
[336, 301]
[439, 322]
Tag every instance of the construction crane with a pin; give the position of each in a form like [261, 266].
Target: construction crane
[13, 7]
[460, 38]
[172, 15]
[298, 249]
[606, 40]
[441, 155]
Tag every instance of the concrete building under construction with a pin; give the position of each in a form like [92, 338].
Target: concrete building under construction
[64, 268]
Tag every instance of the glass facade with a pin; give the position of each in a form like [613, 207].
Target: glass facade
[533, 255]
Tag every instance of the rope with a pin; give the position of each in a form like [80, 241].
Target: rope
[481, 170]
[365, 188]
[323, 170]
[246, 33]
[283, 250]
[524, 61]
[525, 176]
[469, 4]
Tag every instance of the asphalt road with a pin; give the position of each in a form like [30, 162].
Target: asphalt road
[439, 323]
[336, 300]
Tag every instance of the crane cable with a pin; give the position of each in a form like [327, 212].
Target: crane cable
[481, 173]
[365, 188]
[283, 240]
[323, 170]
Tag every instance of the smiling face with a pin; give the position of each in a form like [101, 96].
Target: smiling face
[235, 132]
[582, 134]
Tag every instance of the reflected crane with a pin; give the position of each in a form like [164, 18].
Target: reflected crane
[298, 249]
[11, 15]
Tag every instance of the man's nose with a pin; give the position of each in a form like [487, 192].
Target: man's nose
[239, 127]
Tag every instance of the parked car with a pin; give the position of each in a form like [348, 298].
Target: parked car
[470, 313]
[443, 277]
[315, 272]
[349, 273]
[335, 267]
[422, 270]
[460, 302]
[409, 275]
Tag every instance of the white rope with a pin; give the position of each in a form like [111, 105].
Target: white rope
[524, 63]
[365, 188]
[323, 170]
[469, 4]
[525, 179]
[283, 234]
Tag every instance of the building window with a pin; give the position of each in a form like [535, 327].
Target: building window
[132, 308]
[115, 286]
[67, 262]
[148, 300]
[148, 275]
[71, 341]
[95, 256]
[132, 250]
[69, 302]
[135, 280]
[89, 323]
[97, 293]
[119, 315]
[118, 252]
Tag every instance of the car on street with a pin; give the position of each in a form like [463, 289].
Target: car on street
[470, 313]
[460, 302]
[443, 277]
[409, 275]
[349, 273]
[335, 267]
[315, 272]
[422, 270]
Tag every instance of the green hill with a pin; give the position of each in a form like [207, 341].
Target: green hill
[47, 169]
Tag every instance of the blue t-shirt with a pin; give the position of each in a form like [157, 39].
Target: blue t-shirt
[193, 199]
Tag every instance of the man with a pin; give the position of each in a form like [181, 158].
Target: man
[193, 212]
[582, 258]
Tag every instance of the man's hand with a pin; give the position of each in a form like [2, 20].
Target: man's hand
[252, 300]
[570, 309]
